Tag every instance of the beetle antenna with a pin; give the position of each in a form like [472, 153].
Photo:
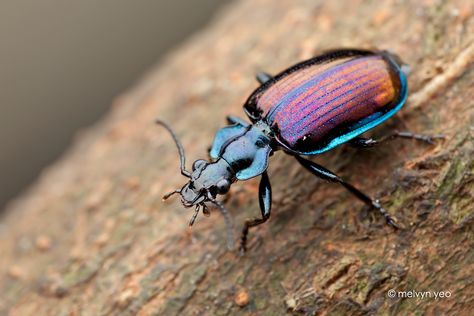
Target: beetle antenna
[182, 159]
[193, 219]
[167, 195]
[229, 223]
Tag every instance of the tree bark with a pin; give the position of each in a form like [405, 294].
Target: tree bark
[92, 236]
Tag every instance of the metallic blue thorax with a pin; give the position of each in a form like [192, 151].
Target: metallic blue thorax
[246, 148]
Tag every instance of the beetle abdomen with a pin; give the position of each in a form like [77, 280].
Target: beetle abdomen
[317, 107]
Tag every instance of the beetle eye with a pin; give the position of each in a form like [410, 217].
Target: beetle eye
[223, 186]
[198, 164]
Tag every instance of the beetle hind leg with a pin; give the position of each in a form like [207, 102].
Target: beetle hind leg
[361, 142]
[325, 174]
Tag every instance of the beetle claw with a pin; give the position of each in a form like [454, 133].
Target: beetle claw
[430, 139]
[393, 223]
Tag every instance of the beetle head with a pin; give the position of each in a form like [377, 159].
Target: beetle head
[207, 180]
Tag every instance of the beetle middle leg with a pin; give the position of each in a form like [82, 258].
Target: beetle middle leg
[265, 202]
[361, 142]
[263, 77]
[231, 120]
[325, 174]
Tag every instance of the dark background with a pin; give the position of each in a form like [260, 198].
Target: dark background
[63, 62]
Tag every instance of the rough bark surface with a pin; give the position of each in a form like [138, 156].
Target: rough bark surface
[92, 236]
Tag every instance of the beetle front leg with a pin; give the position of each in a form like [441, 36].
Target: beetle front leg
[361, 142]
[265, 202]
[325, 174]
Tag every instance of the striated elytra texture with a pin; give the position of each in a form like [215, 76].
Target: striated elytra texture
[326, 101]
[115, 249]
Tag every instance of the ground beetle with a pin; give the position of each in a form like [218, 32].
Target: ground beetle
[307, 109]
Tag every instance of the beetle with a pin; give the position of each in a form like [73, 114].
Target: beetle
[305, 110]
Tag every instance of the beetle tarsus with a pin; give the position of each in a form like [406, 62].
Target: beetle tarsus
[430, 139]
[361, 142]
[391, 221]
[250, 222]
[328, 175]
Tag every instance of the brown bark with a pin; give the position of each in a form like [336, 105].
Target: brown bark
[92, 236]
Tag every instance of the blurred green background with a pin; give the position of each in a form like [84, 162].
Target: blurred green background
[63, 62]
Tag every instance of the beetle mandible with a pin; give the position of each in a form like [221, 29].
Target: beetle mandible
[306, 109]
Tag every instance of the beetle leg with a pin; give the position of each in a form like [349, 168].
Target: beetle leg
[232, 120]
[406, 69]
[209, 153]
[265, 201]
[325, 174]
[263, 77]
[361, 142]
[228, 222]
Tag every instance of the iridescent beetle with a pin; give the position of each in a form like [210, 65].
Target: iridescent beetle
[307, 109]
